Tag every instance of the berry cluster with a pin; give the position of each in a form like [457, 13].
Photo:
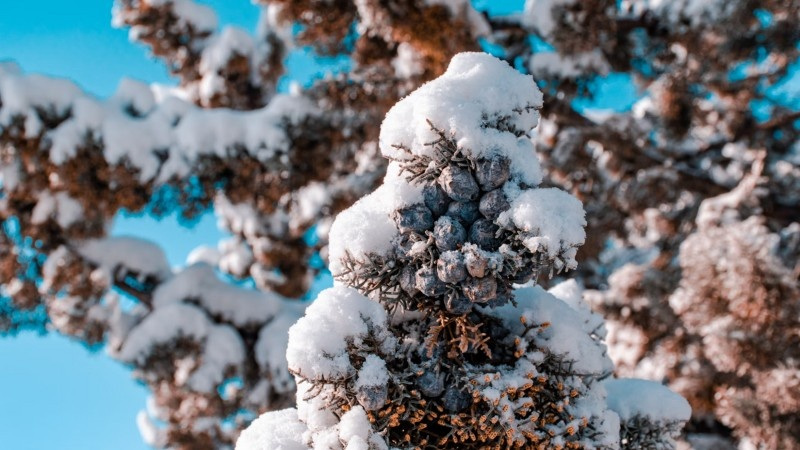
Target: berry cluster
[426, 342]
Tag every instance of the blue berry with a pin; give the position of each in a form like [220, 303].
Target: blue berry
[465, 212]
[450, 267]
[430, 383]
[493, 203]
[408, 280]
[455, 400]
[480, 290]
[416, 218]
[435, 199]
[372, 398]
[493, 172]
[428, 283]
[448, 233]
[459, 184]
[457, 304]
[483, 233]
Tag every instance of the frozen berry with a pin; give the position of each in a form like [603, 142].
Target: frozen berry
[493, 203]
[414, 218]
[372, 398]
[430, 383]
[476, 263]
[480, 290]
[484, 234]
[455, 400]
[493, 172]
[457, 304]
[459, 184]
[450, 267]
[448, 233]
[408, 280]
[465, 212]
[428, 283]
[403, 245]
[435, 199]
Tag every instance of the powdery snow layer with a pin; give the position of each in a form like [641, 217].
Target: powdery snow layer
[366, 228]
[132, 254]
[65, 209]
[538, 15]
[557, 65]
[161, 326]
[566, 333]
[318, 342]
[630, 397]
[199, 284]
[188, 12]
[475, 89]
[277, 430]
[140, 124]
[553, 219]
[679, 12]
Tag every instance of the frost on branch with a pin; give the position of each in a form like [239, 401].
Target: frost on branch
[227, 68]
[210, 352]
[426, 341]
[712, 119]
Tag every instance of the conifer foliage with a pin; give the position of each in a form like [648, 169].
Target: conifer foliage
[425, 341]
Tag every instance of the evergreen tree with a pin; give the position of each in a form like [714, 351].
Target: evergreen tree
[425, 342]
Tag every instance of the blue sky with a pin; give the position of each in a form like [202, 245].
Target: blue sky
[54, 393]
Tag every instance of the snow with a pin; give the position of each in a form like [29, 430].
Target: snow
[278, 430]
[356, 431]
[630, 397]
[309, 200]
[538, 15]
[203, 254]
[150, 433]
[134, 94]
[60, 206]
[238, 306]
[239, 218]
[188, 13]
[565, 334]
[408, 62]
[372, 373]
[163, 325]
[22, 94]
[221, 48]
[236, 256]
[223, 348]
[219, 131]
[162, 123]
[339, 317]
[216, 55]
[476, 89]
[572, 294]
[200, 17]
[463, 8]
[553, 219]
[366, 228]
[551, 64]
[136, 255]
[270, 349]
[678, 12]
